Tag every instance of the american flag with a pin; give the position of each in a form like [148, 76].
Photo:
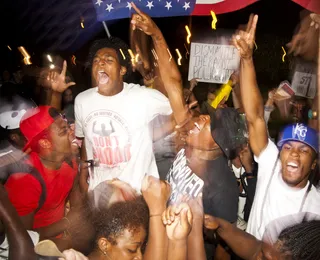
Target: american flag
[117, 9]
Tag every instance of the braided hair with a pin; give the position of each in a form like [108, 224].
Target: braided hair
[301, 241]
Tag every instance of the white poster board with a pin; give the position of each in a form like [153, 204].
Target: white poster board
[304, 81]
[212, 62]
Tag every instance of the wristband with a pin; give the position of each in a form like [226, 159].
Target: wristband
[155, 215]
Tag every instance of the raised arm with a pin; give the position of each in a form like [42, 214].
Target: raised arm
[178, 220]
[156, 194]
[169, 72]
[58, 86]
[250, 94]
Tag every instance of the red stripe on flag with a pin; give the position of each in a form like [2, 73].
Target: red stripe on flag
[311, 5]
[223, 7]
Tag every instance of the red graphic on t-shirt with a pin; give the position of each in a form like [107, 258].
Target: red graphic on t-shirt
[107, 149]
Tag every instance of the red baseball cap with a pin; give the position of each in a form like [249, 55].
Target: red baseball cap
[35, 121]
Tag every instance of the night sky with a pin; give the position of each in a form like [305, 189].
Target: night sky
[54, 26]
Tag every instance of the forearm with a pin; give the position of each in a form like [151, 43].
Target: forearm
[251, 97]
[241, 243]
[56, 100]
[196, 248]
[170, 76]
[177, 250]
[54, 229]
[20, 244]
[157, 246]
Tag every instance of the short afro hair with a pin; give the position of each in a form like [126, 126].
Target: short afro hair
[112, 43]
[112, 222]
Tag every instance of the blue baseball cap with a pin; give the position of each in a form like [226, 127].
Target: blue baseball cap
[300, 133]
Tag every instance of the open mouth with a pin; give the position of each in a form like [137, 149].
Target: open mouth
[103, 77]
[292, 167]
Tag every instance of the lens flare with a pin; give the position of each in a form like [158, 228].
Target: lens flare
[284, 53]
[180, 57]
[189, 34]
[214, 20]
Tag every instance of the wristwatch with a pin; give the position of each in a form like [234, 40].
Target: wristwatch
[312, 114]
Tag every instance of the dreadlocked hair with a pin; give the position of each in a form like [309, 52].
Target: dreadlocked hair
[112, 43]
[110, 223]
[301, 241]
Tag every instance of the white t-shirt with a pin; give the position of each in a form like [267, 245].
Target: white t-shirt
[117, 134]
[281, 200]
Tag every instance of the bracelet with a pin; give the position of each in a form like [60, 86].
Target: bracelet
[67, 220]
[155, 215]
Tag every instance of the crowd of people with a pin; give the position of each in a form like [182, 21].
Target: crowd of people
[81, 179]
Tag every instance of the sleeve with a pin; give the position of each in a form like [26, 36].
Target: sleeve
[223, 92]
[78, 118]
[24, 192]
[267, 161]
[157, 104]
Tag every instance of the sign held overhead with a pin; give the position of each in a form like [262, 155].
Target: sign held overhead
[212, 62]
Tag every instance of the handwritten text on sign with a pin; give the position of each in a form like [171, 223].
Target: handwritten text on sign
[304, 79]
[212, 62]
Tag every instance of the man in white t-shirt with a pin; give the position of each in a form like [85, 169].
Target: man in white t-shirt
[114, 116]
[283, 186]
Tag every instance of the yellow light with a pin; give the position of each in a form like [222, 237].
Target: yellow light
[154, 54]
[180, 57]
[189, 34]
[131, 55]
[25, 54]
[9, 47]
[52, 66]
[137, 58]
[214, 20]
[124, 57]
[169, 54]
[49, 57]
[82, 23]
[284, 53]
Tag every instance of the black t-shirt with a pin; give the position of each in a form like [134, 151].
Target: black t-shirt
[220, 191]
[219, 186]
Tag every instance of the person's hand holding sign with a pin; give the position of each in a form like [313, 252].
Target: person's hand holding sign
[244, 40]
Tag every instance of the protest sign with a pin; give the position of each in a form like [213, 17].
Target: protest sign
[212, 62]
[182, 180]
[304, 80]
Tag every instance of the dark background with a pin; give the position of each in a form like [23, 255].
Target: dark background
[53, 26]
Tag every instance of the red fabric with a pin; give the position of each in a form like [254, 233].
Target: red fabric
[311, 5]
[24, 192]
[223, 7]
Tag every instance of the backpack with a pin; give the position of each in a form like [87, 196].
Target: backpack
[22, 167]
